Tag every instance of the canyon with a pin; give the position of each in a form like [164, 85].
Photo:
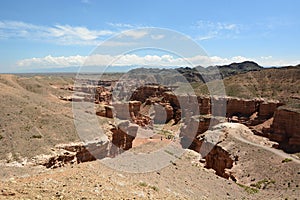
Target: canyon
[248, 146]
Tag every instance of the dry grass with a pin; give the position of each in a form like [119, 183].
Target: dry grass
[281, 84]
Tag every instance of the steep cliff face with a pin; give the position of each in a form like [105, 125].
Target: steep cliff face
[75, 153]
[286, 130]
[217, 148]
[204, 105]
[202, 112]
[163, 113]
[241, 107]
[127, 111]
[142, 93]
[227, 106]
[266, 109]
[103, 95]
[219, 160]
[195, 126]
[123, 135]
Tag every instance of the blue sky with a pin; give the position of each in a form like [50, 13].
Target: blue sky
[61, 33]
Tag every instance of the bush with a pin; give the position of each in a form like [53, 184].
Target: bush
[143, 184]
[248, 189]
[262, 184]
[286, 160]
[154, 188]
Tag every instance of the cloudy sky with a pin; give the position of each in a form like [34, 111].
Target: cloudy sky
[66, 33]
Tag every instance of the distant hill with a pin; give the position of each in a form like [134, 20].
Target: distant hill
[196, 74]
[281, 84]
[236, 68]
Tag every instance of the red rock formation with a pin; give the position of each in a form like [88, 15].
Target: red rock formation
[171, 98]
[103, 95]
[286, 129]
[108, 111]
[77, 153]
[144, 92]
[267, 109]
[241, 107]
[194, 127]
[204, 105]
[163, 113]
[219, 160]
[127, 111]
[122, 137]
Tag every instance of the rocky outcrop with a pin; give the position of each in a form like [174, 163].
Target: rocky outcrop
[194, 127]
[75, 153]
[241, 107]
[217, 149]
[219, 160]
[127, 111]
[163, 113]
[103, 95]
[204, 105]
[89, 93]
[122, 137]
[286, 130]
[144, 92]
[266, 109]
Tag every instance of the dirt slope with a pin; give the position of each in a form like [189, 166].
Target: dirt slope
[32, 119]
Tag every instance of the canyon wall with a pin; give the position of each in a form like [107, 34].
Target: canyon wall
[286, 130]
[200, 113]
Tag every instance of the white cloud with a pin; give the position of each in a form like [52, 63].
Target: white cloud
[147, 60]
[121, 25]
[205, 37]
[266, 57]
[50, 61]
[60, 34]
[135, 34]
[270, 61]
[208, 30]
[157, 37]
[218, 26]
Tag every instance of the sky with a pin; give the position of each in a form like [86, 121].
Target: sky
[58, 34]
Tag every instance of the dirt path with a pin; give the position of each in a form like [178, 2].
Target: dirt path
[240, 137]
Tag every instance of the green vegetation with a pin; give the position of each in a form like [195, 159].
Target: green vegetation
[248, 189]
[155, 188]
[1, 137]
[143, 184]
[279, 84]
[286, 160]
[262, 184]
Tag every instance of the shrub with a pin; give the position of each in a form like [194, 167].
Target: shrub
[154, 188]
[262, 184]
[248, 189]
[143, 184]
[286, 160]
